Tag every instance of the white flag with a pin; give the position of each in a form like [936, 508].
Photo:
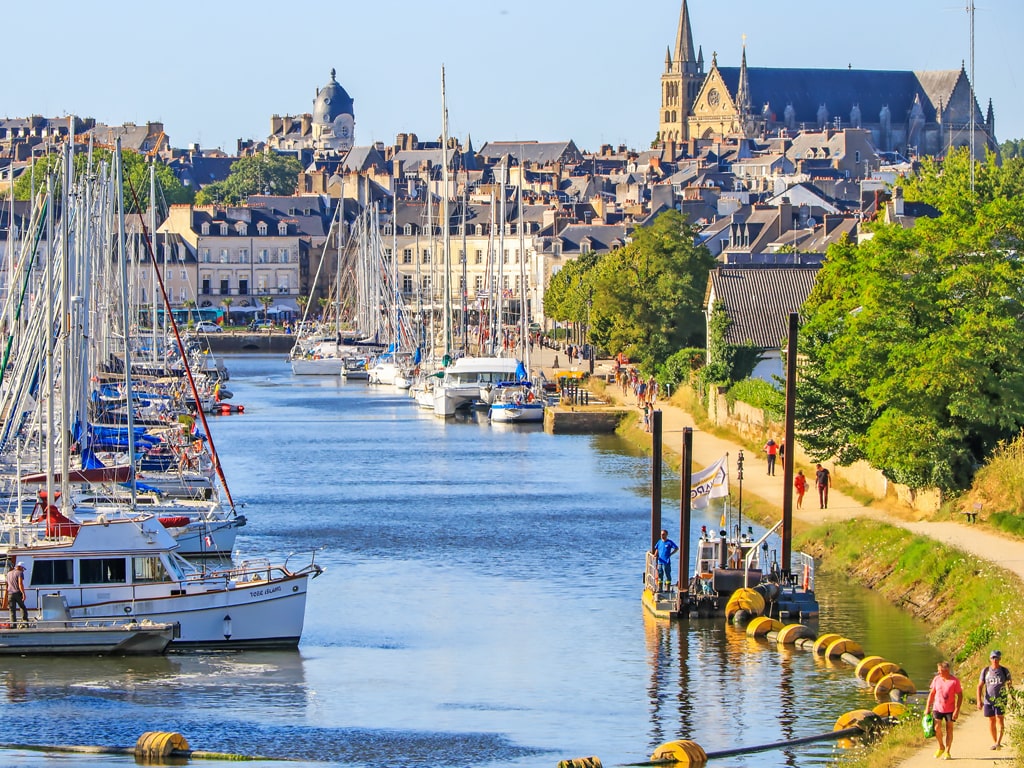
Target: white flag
[710, 483]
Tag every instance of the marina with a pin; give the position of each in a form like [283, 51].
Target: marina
[417, 518]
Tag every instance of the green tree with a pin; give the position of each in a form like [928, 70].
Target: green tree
[227, 301]
[136, 178]
[266, 301]
[1012, 148]
[911, 339]
[264, 174]
[648, 295]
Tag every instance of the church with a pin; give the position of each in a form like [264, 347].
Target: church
[328, 130]
[909, 113]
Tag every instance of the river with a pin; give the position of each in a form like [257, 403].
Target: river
[480, 607]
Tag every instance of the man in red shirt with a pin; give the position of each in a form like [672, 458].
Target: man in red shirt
[945, 696]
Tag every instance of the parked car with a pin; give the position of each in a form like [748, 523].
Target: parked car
[206, 326]
[259, 325]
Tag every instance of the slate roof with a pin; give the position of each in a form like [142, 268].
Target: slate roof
[759, 299]
[840, 89]
[537, 152]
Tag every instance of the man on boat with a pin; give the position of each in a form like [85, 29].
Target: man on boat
[16, 593]
[665, 548]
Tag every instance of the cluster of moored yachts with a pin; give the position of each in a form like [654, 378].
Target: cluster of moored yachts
[499, 385]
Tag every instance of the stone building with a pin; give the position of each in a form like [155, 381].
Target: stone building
[328, 130]
[910, 113]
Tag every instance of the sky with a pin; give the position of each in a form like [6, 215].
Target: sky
[516, 70]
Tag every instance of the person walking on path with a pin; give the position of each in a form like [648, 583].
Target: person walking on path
[665, 548]
[993, 684]
[772, 449]
[945, 696]
[16, 594]
[823, 479]
[800, 484]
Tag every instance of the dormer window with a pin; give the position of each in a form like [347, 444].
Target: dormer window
[479, 229]
[223, 228]
[205, 228]
[242, 228]
[408, 229]
[282, 228]
[261, 228]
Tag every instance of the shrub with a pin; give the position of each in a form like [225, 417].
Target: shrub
[759, 394]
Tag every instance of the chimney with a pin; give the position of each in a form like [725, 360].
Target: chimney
[897, 201]
[307, 123]
[785, 215]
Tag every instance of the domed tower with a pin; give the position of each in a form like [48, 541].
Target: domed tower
[333, 118]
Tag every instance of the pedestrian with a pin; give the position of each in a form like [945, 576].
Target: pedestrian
[945, 695]
[782, 455]
[800, 484]
[647, 417]
[772, 449]
[823, 479]
[665, 548]
[993, 685]
[16, 593]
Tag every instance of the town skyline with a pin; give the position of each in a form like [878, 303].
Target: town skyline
[565, 71]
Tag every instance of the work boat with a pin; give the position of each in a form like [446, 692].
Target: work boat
[516, 402]
[129, 568]
[466, 379]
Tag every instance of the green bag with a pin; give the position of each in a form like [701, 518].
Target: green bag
[928, 725]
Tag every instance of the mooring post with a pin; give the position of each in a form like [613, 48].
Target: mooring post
[655, 478]
[789, 459]
[685, 507]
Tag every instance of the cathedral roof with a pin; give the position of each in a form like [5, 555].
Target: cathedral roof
[840, 89]
[331, 100]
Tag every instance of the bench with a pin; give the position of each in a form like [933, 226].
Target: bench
[971, 515]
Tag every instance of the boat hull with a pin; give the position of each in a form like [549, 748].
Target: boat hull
[510, 413]
[323, 366]
[53, 638]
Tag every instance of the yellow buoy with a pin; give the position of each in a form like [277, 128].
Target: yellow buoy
[891, 682]
[879, 671]
[864, 719]
[841, 646]
[864, 665]
[581, 762]
[154, 744]
[684, 752]
[749, 600]
[822, 642]
[889, 709]
[790, 633]
[762, 625]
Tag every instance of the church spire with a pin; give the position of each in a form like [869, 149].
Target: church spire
[684, 57]
[743, 90]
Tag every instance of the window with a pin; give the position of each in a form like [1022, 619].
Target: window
[387, 255]
[504, 257]
[504, 282]
[181, 252]
[462, 256]
[478, 283]
[261, 228]
[425, 284]
[426, 255]
[283, 255]
[479, 229]
[223, 228]
[478, 257]
[462, 284]
[856, 156]
[148, 569]
[242, 228]
[243, 255]
[408, 229]
[205, 286]
[103, 570]
[205, 228]
[223, 255]
[184, 276]
[206, 255]
[225, 287]
[282, 228]
[406, 283]
[264, 256]
[407, 256]
[47, 572]
[243, 286]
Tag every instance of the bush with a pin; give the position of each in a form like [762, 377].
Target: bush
[759, 394]
[680, 367]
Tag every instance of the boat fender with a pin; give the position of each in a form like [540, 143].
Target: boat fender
[823, 642]
[880, 670]
[580, 762]
[241, 408]
[841, 646]
[683, 752]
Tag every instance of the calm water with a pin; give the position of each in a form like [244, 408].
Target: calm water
[481, 607]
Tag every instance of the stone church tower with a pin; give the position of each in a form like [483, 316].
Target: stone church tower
[683, 76]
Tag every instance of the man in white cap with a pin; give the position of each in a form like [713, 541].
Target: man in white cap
[995, 680]
[16, 593]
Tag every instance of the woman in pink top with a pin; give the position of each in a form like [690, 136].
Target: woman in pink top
[945, 696]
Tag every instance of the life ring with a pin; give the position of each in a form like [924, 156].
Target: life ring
[530, 398]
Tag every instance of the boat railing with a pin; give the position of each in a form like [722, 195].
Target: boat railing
[802, 571]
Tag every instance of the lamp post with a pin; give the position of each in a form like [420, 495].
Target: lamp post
[739, 477]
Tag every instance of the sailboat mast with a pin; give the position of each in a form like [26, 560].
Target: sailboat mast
[523, 325]
[122, 256]
[446, 223]
[65, 331]
[501, 257]
[48, 340]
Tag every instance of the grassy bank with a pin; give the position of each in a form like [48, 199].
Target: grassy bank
[970, 605]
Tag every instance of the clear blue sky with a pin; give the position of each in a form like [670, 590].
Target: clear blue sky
[215, 71]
